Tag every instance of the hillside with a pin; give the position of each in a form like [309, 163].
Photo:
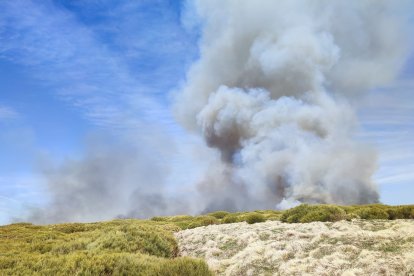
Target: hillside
[316, 239]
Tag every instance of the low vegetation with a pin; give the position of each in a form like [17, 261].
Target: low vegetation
[148, 247]
[254, 218]
[220, 217]
[301, 214]
[308, 213]
[119, 247]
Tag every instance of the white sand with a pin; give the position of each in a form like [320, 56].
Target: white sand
[275, 248]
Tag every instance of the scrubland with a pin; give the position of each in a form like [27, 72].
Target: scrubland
[308, 239]
[120, 247]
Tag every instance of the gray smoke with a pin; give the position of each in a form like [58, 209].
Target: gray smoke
[273, 91]
[114, 177]
[272, 97]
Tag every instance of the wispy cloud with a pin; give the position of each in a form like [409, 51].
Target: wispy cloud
[74, 59]
[387, 117]
[7, 113]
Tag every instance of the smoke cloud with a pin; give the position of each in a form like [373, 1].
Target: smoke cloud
[273, 90]
[115, 177]
[271, 96]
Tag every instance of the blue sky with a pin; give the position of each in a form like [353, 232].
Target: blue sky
[72, 68]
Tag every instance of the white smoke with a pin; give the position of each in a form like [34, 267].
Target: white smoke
[272, 97]
[273, 89]
[113, 177]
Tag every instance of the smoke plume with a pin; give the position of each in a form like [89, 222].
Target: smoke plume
[273, 90]
[272, 97]
[113, 178]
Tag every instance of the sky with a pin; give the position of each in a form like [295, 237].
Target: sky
[70, 70]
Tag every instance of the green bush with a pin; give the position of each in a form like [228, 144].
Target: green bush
[308, 213]
[218, 214]
[401, 212]
[203, 221]
[159, 218]
[254, 218]
[371, 213]
[119, 247]
[324, 213]
[73, 227]
[231, 219]
[295, 214]
[352, 216]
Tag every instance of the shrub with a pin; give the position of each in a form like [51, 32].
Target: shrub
[219, 214]
[274, 218]
[231, 219]
[254, 218]
[181, 221]
[308, 213]
[119, 247]
[294, 215]
[324, 213]
[401, 212]
[371, 213]
[180, 218]
[73, 227]
[203, 221]
[159, 218]
[352, 216]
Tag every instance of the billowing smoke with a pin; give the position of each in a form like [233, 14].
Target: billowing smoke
[272, 97]
[113, 178]
[273, 91]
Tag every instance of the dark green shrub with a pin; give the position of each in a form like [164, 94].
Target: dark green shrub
[203, 221]
[159, 218]
[254, 218]
[401, 212]
[393, 214]
[371, 213]
[231, 219]
[73, 227]
[308, 213]
[324, 213]
[218, 214]
[293, 215]
[181, 221]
